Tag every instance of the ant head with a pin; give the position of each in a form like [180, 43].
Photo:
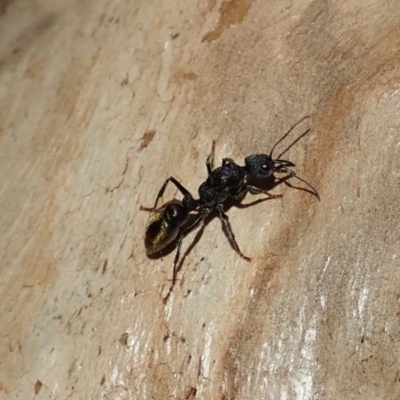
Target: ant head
[262, 165]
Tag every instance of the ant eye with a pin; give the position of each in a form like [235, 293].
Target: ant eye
[264, 167]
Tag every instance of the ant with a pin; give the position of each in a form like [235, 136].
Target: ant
[230, 180]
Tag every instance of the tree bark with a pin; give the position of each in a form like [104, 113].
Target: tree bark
[101, 101]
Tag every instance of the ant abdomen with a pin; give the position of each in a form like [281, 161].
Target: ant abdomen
[163, 226]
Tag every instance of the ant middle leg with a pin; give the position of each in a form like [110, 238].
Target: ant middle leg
[210, 160]
[231, 236]
[178, 185]
[227, 161]
[198, 221]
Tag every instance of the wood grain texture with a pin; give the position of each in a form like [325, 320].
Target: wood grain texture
[100, 102]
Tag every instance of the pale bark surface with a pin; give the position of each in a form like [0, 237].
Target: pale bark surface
[100, 102]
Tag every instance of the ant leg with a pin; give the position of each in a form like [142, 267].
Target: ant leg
[196, 223]
[255, 190]
[227, 161]
[210, 159]
[181, 188]
[225, 220]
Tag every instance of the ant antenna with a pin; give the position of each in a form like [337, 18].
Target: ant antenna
[288, 148]
[283, 164]
[287, 133]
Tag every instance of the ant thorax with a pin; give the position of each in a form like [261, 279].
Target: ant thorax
[222, 182]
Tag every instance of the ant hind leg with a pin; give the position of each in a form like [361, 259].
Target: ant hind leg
[178, 185]
[198, 221]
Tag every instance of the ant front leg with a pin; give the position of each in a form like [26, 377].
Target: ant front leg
[181, 188]
[210, 159]
[255, 190]
[231, 236]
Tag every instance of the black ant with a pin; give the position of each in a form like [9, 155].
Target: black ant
[230, 180]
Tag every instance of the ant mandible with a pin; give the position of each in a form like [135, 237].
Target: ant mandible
[230, 180]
